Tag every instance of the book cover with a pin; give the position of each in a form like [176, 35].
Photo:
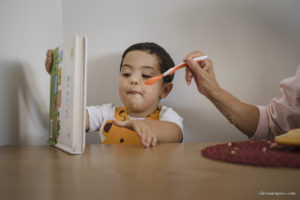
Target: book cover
[68, 96]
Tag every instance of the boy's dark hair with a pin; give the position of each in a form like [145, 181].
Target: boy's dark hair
[164, 59]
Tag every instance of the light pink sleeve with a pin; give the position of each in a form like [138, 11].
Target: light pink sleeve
[262, 129]
[282, 113]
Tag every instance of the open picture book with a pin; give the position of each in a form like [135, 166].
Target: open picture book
[68, 96]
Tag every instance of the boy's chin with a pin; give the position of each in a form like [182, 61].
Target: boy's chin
[135, 107]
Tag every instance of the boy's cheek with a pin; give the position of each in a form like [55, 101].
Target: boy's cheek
[152, 96]
[121, 87]
[151, 91]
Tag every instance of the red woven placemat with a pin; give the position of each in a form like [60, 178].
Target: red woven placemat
[261, 153]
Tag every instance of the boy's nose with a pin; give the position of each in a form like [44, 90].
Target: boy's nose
[134, 80]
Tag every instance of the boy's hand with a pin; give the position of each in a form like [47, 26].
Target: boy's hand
[148, 138]
[48, 62]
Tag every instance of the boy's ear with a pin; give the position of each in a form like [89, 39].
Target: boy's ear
[166, 89]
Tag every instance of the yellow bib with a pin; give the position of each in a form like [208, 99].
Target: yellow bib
[120, 135]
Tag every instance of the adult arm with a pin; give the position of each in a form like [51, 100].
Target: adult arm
[243, 116]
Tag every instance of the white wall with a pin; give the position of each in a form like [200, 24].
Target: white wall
[28, 28]
[253, 45]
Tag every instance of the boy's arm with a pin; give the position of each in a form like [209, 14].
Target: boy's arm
[153, 131]
[87, 120]
[165, 131]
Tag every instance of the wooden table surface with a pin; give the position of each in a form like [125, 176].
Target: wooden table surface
[168, 171]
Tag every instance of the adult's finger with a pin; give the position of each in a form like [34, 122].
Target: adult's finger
[194, 67]
[208, 67]
[188, 75]
[194, 55]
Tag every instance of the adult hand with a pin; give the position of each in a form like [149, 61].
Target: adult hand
[48, 62]
[148, 138]
[202, 73]
[244, 116]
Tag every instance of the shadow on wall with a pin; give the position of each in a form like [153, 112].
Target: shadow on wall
[102, 81]
[23, 111]
[9, 107]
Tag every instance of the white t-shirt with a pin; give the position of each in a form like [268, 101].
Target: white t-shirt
[99, 114]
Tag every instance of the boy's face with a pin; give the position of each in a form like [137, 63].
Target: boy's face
[140, 99]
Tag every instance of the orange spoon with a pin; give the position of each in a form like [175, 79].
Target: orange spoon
[153, 80]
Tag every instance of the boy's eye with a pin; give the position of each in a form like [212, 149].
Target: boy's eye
[146, 76]
[126, 74]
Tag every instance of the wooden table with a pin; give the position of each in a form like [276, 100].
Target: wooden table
[168, 171]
